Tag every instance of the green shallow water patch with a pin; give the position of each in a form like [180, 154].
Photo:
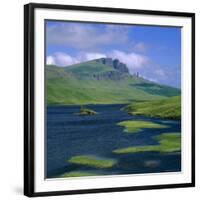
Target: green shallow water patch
[92, 161]
[78, 174]
[168, 143]
[132, 126]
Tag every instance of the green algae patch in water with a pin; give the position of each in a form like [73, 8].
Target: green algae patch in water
[77, 174]
[134, 126]
[168, 143]
[92, 161]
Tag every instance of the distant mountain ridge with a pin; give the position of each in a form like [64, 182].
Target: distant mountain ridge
[99, 69]
[101, 81]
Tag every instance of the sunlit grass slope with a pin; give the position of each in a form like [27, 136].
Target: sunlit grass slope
[78, 85]
[166, 108]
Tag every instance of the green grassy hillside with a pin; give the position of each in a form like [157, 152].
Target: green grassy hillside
[167, 108]
[89, 68]
[95, 83]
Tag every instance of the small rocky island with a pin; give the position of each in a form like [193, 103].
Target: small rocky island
[86, 111]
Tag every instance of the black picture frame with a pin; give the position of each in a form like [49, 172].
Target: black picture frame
[29, 82]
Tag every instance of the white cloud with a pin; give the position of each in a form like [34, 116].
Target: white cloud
[50, 60]
[85, 56]
[150, 79]
[61, 59]
[160, 73]
[85, 36]
[140, 47]
[132, 60]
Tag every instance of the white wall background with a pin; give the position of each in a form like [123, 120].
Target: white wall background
[11, 98]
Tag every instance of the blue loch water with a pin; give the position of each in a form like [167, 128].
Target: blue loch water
[69, 134]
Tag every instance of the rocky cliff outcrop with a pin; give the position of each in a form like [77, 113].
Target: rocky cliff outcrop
[115, 63]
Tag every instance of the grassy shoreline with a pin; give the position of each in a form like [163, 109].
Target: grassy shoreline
[169, 108]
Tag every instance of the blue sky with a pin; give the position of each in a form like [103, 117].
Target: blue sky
[153, 51]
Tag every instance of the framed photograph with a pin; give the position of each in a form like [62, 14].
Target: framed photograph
[108, 99]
